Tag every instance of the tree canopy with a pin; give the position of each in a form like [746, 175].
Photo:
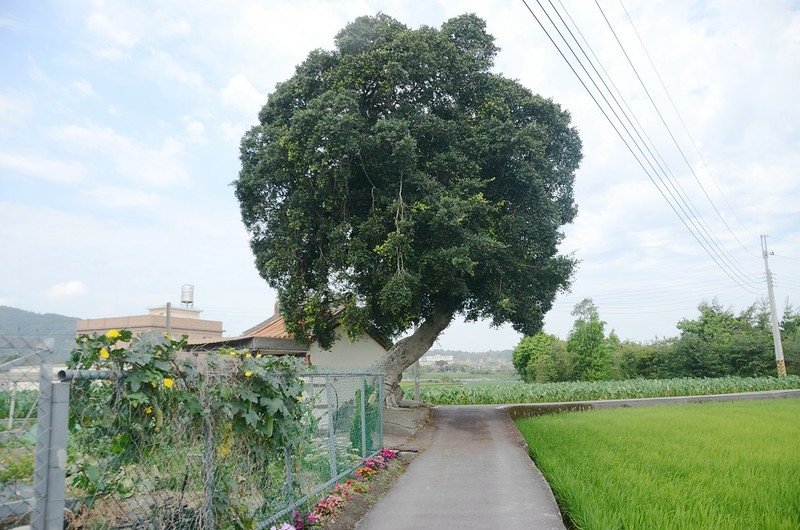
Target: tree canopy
[587, 342]
[397, 181]
[716, 343]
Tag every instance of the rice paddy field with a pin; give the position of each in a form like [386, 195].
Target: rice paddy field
[731, 465]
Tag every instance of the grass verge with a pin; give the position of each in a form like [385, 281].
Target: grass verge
[711, 465]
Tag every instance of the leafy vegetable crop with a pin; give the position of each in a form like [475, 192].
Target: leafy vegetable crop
[518, 392]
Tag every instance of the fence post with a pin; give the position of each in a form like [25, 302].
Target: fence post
[41, 466]
[381, 405]
[11, 405]
[287, 460]
[363, 418]
[56, 474]
[331, 427]
[208, 468]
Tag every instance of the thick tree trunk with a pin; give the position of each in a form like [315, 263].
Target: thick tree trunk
[406, 352]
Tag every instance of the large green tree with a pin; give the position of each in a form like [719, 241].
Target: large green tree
[719, 343]
[588, 343]
[396, 183]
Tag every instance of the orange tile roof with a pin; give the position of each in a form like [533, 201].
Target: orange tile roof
[273, 327]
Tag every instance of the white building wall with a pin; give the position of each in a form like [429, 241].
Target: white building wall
[346, 355]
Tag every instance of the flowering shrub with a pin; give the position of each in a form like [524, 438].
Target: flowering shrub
[388, 454]
[329, 506]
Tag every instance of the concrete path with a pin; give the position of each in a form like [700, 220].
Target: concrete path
[476, 474]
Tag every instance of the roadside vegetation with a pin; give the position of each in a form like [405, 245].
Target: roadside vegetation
[717, 343]
[710, 465]
[490, 392]
[718, 352]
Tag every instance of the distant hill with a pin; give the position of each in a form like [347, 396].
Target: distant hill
[29, 325]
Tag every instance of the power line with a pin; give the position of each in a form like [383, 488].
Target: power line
[640, 131]
[680, 204]
[661, 117]
[730, 273]
[691, 139]
[786, 257]
[675, 185]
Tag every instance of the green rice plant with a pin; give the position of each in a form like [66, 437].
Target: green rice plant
[518, 392]
[727, 465]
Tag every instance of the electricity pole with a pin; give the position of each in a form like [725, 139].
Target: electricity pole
[776, 332]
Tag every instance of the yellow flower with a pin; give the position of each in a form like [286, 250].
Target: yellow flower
[168, 382]
[166, 336]
[104, 354]
[258, 356]
[113, 334]
[248, 355]
[248, 373]
[148, 410]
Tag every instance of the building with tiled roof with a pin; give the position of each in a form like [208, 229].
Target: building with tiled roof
[271, 338]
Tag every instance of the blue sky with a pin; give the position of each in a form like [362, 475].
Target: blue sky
[120, 123]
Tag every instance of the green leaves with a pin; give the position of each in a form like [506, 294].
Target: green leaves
[119, 422]
[397, 177]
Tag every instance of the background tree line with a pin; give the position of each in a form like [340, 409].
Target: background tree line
[716, 343]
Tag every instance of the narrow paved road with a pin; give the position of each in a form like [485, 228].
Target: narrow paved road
[475, 475]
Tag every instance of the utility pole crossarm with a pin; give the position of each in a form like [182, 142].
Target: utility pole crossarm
[776, 332]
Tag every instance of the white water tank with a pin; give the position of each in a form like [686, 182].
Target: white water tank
[187, 295]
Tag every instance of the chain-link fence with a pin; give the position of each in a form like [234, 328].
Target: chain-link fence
[347, 428]
[124, 462]
[21, 359]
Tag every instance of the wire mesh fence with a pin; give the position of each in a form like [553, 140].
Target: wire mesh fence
[21, 360]
[199, 450]
[347, 427]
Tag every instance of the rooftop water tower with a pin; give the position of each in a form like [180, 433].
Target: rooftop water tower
[187, 295]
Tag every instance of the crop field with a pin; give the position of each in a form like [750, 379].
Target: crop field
[727, 465]
[493, 391]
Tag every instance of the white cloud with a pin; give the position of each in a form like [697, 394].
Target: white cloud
[119, 197]
[83, 87]
[167, 67]
[37, 73]
[14, 109]
[66, 289]
[112, 53]
[233, 132]
[42, 168]
[5, 301]
[102, 26]
[241, 95]
[160, 166]
[8, 22]
[195, 130]
[179, 27]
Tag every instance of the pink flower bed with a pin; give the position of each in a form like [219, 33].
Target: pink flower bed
[329, 506]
